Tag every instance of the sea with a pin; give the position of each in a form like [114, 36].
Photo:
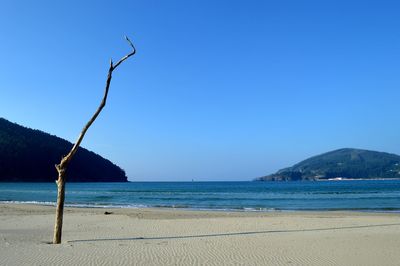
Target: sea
[354, 195]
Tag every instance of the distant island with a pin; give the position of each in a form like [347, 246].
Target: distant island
[28, 155]
[341, 164]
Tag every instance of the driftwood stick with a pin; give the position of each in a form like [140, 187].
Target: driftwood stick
[63, 165]
[67, 159]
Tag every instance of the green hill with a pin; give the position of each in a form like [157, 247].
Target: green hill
[343, 163]
[28, 155]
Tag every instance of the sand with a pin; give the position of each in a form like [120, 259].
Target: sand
[181, 237]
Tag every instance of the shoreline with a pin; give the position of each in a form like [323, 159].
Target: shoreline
[177, 208]
[171, 213]
[164, 236]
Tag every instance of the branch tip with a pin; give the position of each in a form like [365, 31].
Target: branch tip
[130, 43]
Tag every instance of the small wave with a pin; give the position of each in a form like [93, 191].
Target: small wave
[260, 209]
[108, 206]
[47, 203]
[75, 205]
[174, 206]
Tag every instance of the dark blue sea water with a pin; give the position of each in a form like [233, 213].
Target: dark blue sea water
[382, 195]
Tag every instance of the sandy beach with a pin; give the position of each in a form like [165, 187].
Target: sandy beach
[182, 237]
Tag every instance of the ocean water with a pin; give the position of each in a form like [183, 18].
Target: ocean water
[371, 195]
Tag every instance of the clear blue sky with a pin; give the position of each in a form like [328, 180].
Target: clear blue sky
[218, 90]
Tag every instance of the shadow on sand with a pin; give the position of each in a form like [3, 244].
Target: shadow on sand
[231, 234]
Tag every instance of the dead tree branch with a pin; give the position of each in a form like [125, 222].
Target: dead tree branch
[63, 165]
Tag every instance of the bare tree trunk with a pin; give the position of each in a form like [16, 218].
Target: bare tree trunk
[60, 208]
[63, 165]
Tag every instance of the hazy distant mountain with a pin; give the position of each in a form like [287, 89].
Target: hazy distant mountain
[343, 163]
[28, 155]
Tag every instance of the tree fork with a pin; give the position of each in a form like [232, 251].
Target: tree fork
[63, 165]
